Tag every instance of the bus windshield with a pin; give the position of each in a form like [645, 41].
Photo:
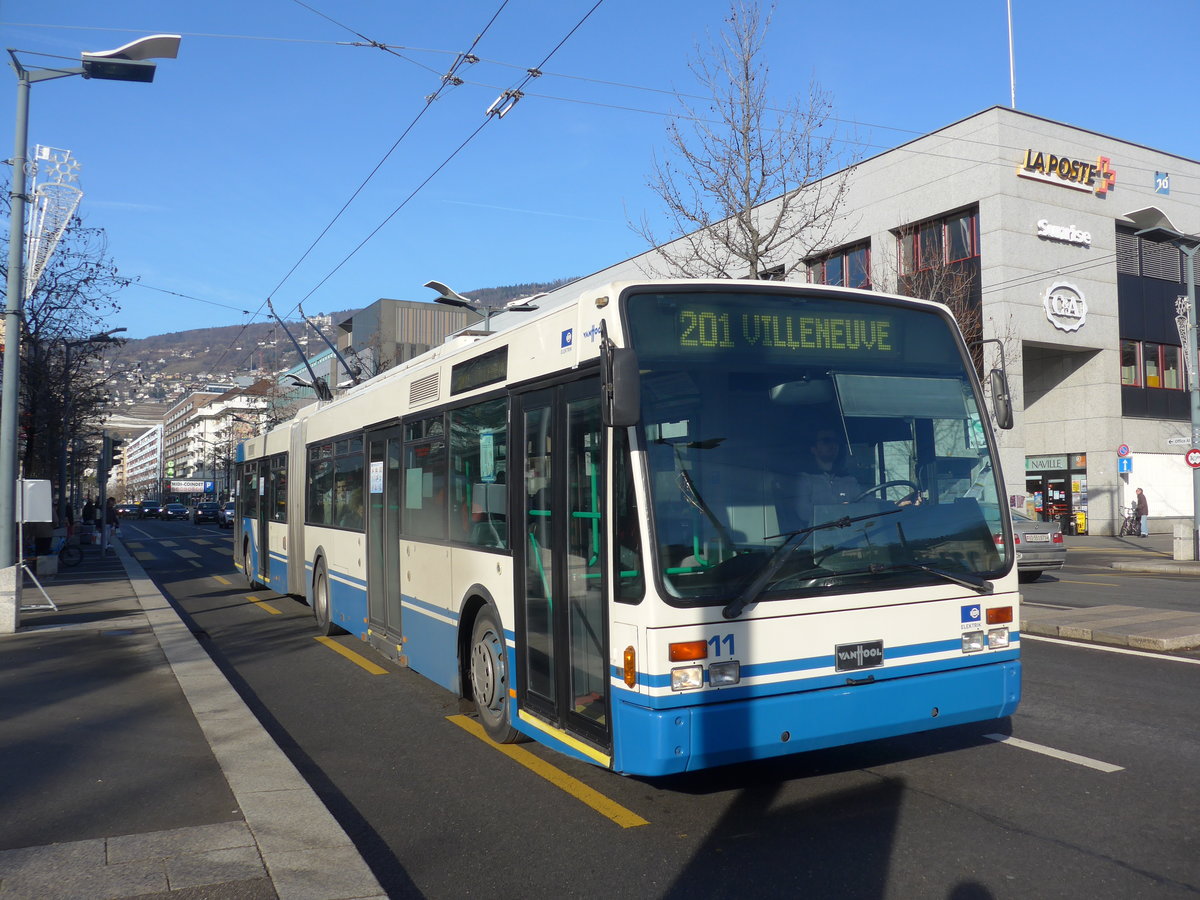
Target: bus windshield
[801, 443]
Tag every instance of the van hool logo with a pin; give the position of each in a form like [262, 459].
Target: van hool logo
[1065, 306]
[1098, 177]
[865, 655]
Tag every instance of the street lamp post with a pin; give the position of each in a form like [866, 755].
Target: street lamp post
[1188, 245]
[130, 62]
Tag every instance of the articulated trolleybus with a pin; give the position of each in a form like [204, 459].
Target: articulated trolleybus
[665, 525]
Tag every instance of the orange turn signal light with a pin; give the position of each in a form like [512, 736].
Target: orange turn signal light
[1001, 615]
[688, 651]
[630, 666]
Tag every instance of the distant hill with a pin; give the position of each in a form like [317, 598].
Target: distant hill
[161, 367]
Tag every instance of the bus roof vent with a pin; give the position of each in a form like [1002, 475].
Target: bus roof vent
[423, 390]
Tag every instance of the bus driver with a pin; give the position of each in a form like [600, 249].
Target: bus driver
[824, 480]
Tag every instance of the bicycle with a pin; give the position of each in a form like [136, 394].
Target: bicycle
[1132, 526]
[69, 554]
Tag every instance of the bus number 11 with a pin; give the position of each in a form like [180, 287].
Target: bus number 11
[718, 639]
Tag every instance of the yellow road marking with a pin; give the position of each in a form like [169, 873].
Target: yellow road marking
[133, 545]
[352, 656]
[607, 807]
[222, 579]
[1092, 583]
[262, 604]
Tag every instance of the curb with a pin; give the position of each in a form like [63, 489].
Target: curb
[1159, 567]
[1117, 626]
[305, 850]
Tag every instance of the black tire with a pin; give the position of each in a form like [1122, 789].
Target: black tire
[247, 567]
[70, 555]
[322, 611]
[488, 669]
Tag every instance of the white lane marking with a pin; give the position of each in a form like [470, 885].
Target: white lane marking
[1108, 768]
[1147, 653]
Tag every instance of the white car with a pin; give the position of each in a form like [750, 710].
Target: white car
[226, 514]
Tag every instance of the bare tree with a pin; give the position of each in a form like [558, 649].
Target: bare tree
[64, 391]
[751, 187]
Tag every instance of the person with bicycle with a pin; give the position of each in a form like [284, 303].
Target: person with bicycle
[1143, 514]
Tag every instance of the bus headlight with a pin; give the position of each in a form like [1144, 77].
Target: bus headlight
[998, 637]
[972, 641]
[723, 674]
[687, 678]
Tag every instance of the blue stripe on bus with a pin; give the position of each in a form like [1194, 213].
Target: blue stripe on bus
[429, 643]
[838, 679]
[659, 741]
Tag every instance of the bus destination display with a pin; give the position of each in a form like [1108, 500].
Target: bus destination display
[825, 332]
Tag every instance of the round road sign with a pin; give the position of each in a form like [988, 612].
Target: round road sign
[1192, 458]
[1123, 450]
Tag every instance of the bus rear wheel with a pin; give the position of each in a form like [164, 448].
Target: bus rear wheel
[322, 611]
[489, 678]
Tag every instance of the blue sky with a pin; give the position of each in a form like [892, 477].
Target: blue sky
[214, 181]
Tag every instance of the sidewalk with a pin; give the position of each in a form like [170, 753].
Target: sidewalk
[131, 767]
[1136, 627]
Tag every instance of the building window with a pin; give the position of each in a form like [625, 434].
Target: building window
[847, 267]
[928, 245]
[1130, 368]
[1152, 365]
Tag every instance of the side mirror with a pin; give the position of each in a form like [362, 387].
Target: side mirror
[1001, 399]
[624, 389]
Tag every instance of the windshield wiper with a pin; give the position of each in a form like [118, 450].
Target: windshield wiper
[776, 560]
[974, 582]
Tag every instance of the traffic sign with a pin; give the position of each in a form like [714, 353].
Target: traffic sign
[1192, 458]
[1179, 442]
[1123, 450]
[1124, 464]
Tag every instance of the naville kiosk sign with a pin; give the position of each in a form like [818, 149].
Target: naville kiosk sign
[1097, 177]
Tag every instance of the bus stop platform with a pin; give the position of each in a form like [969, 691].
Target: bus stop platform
[130, 767]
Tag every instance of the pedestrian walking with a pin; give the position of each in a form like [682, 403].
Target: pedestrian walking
[112, 524]
[88, 516]
[1143, 514]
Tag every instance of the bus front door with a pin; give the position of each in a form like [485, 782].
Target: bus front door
[562, 641]
[383, 537]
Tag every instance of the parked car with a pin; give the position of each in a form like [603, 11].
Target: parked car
[175, 511]
[1039, 546]
[226, 514]
[149, 509]
[127, 510]
[205, 512]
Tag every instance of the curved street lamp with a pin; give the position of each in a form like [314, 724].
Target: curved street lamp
[130, 62]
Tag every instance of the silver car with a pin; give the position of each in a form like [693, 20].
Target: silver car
[1039, 546]
[226, 513]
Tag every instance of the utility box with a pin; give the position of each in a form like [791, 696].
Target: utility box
[36, 501]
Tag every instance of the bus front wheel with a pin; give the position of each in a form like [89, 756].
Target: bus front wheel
[489, 678]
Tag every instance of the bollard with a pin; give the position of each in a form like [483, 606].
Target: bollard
[1185, 545]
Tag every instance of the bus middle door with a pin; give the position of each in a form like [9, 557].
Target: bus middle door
[562, 640]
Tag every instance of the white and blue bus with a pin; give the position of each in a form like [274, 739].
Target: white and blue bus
[666, 525]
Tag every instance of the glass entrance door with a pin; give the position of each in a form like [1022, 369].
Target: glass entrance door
[383, 529]
[562, 642]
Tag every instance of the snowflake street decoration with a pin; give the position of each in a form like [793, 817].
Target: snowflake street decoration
[53, 202]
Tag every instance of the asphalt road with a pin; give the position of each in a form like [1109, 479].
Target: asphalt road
[439, 813]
